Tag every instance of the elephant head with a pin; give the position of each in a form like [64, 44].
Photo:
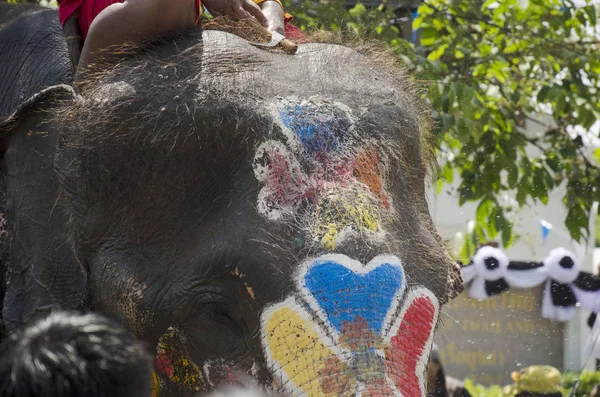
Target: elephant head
[256, 214]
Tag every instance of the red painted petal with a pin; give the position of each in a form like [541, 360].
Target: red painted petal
[410, 343]
[163, 363]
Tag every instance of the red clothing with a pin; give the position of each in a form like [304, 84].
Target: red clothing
[89, 9]
[66, 9]
[292, 32]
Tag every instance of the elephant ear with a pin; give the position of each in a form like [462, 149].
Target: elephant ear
[42, 272]
[9, 121]
[34, 54]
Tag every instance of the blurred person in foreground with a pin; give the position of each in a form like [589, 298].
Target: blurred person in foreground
[535, 381]
[240, 392]
[73, 355]
[440, 384]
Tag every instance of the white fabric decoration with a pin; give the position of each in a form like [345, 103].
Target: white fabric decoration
[526, 278]
[477, 289]
[488, 254]
[555, 313]
[559, 273]
[480, 272]
[589, 300]
[490, 271]
[468, 273]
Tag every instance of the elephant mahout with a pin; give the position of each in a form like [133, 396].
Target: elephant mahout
[250, 214]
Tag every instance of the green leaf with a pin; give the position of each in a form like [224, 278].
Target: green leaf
[507, 235]
[597, 154]
[576, 222]
[522, 194]
[428, 36]
[539, 188]
[448, 173]
[499, 220]
[437, 53]
[439, 185]
[417, 22]
[513, 174]
[483, 210]
[358, 10]
[509, 147]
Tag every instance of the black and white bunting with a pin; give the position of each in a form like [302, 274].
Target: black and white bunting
[491, 272]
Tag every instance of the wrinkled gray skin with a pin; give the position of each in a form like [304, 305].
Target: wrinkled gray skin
[32, 57]
[138, 199]
[33, 54]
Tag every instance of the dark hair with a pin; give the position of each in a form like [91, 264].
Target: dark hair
[438, 383]
[75, 355]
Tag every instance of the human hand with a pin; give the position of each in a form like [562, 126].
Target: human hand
[237, 9]
[274, 14]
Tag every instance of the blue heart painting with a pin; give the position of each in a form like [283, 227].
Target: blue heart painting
[343, 295]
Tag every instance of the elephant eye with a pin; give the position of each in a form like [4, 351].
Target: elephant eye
[222, 314]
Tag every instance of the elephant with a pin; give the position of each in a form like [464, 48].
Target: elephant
[255, 217]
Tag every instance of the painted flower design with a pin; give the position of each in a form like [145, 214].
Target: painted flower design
[174, 369]
[322, 174]
[354, 330]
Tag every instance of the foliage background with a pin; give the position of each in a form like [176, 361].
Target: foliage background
[489, 68]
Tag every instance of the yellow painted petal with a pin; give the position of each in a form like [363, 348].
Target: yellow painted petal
[155, 384]
[328, 240]
[297, 348]
[183, 370]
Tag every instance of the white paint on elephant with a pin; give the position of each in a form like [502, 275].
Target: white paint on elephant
[221, 367]
[260, 164]
[206, 372]
[267, 154]
[114, 91]
[290, 138]
[254, 370]
[272, 210]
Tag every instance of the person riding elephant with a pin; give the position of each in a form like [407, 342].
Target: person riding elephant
[109, 24]
[250, 226]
